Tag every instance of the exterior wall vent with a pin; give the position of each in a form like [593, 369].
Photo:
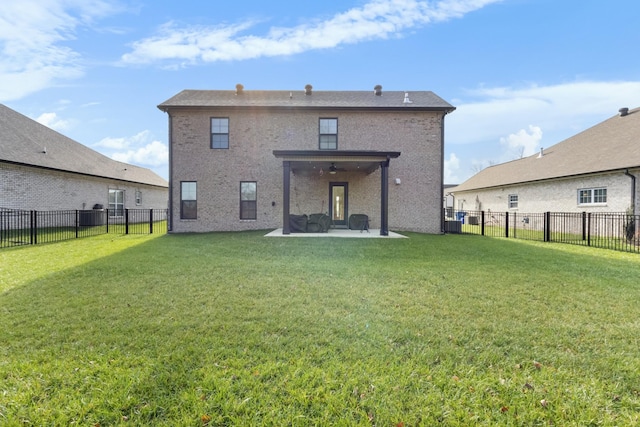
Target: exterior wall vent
[308, 89]
[623, 111]
[377, 90]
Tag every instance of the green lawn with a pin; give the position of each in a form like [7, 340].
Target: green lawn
[234, 329]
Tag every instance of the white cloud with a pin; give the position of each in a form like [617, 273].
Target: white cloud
[451, 167]
[32, 32]
[562, 109]
[52, 121]
[522, 143]
[378, 19]
[138, 149]
[153, 154]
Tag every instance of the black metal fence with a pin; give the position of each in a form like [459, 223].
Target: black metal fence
[617, 231]
[22, 227]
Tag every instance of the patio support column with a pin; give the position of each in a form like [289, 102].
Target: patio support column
[286, 195]
[384, 198]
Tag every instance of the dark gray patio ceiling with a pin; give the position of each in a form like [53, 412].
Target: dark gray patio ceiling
[311, 162]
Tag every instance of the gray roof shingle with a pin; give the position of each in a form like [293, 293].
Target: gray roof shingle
[24, 141]
[608, 146]
[420, 100]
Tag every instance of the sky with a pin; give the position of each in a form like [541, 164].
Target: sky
[522, 74]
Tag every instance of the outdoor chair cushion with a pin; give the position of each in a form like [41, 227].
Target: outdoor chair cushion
[298, 223]
[318, 223]
[359, 222]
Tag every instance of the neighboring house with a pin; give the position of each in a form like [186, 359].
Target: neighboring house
[593, 171]
[243, 160]
[40, 169]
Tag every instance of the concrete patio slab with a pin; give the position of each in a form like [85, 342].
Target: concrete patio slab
[340, 232]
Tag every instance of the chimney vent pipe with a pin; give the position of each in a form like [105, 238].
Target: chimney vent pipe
[308, 89]
[377, 90]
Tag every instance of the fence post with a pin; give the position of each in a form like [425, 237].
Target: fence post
[150, 221]
[584, 225]
[126, 221]
[32, 226]
[106, 212]
[506, 224]
[482, 223]
[77, 222]
[547, 226]
[589, 229]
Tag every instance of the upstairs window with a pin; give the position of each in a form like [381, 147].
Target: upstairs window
[328, 134]
[592, 196]
[220, 132]
[513, 201]
[248, 200]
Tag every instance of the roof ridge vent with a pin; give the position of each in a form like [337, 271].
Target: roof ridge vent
[308, 89]
[623, 111]
[377, 90]
[406, 99]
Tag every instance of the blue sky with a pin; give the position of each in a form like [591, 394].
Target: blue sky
[523, 74]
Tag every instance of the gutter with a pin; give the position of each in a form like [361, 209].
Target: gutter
[633, 190]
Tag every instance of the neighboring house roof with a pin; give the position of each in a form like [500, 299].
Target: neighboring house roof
[27, 142]
[422, 100]
[608, 146]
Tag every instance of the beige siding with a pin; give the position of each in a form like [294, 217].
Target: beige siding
[31, 188]
[414, 205]
[559, 195]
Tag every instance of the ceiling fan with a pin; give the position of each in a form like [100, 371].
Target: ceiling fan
[333, 169]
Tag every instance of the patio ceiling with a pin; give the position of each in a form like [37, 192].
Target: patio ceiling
[315, 162]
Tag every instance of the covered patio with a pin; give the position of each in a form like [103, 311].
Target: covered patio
[309, 161]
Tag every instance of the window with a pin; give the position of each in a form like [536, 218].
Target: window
[513, 201]
[188, 200]
[591, 196]
[138, 197]
[248, 200]
[328, 134]
[116, 202]
[219, 132]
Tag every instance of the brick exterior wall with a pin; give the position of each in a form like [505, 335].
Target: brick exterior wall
[560, 195]
[29, 188]
[414, 205]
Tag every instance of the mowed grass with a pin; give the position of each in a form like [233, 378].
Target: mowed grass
[235, 329]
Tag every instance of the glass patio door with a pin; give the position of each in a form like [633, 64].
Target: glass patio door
[338, 203]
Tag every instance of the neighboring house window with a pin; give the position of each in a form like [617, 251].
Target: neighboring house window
[513, 201]
[219, 132]
[328, 134]
[591, 196]
[138, 197]
[248, 200]
[116, 202]
[188, 200]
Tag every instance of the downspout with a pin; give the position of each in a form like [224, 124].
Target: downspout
[170, 172]
[633, 190]
[442, 207]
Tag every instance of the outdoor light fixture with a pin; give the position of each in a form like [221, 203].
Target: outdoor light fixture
[333, 169]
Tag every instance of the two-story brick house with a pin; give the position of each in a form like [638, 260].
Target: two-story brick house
[241, 160]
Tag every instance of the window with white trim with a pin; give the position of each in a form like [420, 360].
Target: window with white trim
[116, 202]
[592, 196]
[513, 201]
